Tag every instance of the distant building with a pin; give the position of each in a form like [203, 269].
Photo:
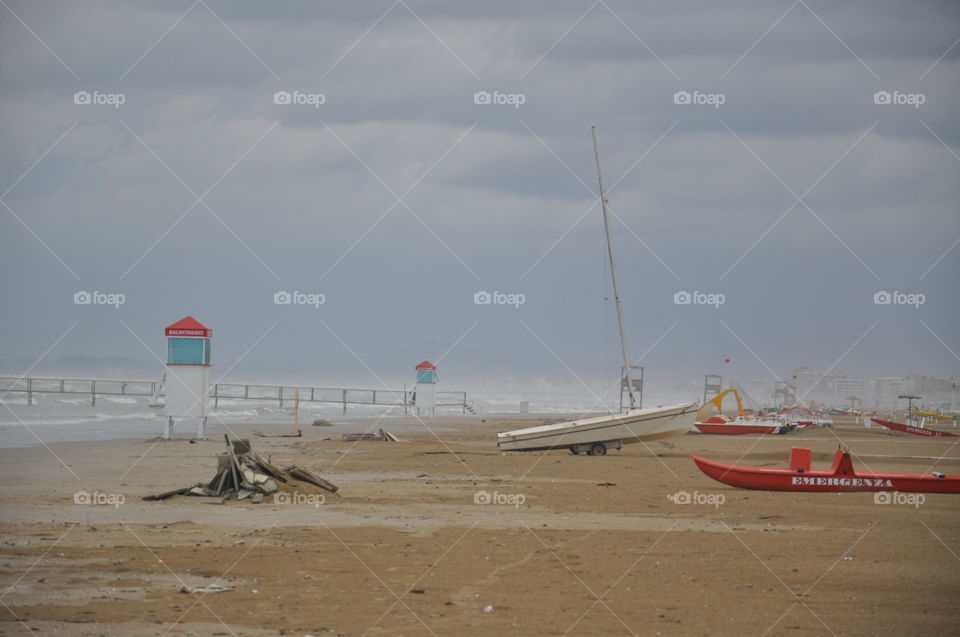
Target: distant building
[845, 387]
[885, 392]
[935, 393]
[830, 388]
[834, 388]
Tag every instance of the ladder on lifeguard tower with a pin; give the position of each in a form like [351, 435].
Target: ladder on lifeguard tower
[155, 399]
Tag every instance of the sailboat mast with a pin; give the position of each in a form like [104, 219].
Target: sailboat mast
[625, 374]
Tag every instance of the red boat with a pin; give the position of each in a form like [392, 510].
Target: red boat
[840, 477]
[917, 431]
[722, 426]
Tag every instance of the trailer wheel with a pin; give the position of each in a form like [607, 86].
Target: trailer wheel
[598, 450]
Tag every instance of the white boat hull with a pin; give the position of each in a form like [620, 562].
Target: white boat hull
[638, 425]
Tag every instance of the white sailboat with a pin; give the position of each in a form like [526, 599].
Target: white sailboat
[596, 435]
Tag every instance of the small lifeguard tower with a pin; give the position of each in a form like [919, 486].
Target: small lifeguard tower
[424, 398]
[188, 373]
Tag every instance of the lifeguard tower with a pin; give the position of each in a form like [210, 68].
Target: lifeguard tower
[188, 373]
[424, 398]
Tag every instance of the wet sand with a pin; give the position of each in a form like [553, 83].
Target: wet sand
[410, 546]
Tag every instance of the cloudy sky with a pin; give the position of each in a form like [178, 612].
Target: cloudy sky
[790, 159]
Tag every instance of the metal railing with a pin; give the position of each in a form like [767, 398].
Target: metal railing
[91, 386]
[229, 391]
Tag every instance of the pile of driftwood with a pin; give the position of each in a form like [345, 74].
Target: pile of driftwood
[381, 436]
[242, 471]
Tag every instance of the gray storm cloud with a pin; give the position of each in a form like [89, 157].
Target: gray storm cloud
[398, 197]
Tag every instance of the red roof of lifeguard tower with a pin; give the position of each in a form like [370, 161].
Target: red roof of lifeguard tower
[188, 326]
[426, 365]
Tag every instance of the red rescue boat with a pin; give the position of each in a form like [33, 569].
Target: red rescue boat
[840, 477]
[917, 431]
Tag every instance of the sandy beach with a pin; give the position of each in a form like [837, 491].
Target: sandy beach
[443, 534]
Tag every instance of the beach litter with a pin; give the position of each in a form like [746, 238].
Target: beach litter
[380, 436]
[242, 471]
[296, 434]
[210, 588]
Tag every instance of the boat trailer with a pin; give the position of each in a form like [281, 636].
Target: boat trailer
[595, 448]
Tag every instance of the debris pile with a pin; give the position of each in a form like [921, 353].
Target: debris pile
[242, 471]
[380, 436]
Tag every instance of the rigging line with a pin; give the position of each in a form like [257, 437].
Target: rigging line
[625, 374]
[606, 316]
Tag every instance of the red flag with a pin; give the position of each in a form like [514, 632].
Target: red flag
[726, 360]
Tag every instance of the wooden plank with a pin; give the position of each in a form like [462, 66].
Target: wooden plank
[306, 476]
[218, 487]
[268, 468]
[296, 434]
[362, 436]
[212, 485]
[168, 494]
[233, 463]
